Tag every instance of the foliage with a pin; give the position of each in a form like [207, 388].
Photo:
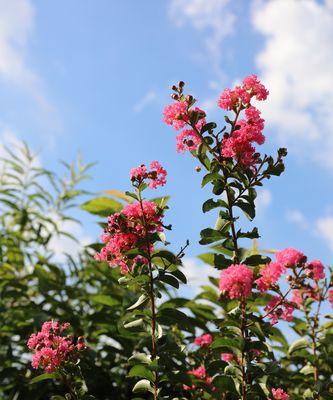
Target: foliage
[145, 341]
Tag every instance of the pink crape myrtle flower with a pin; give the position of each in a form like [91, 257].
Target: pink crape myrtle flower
[175, 114]
[188, 139]
[316, 269]
[204, 340]
[156, 175]
[282, 311]
[251, 87]
[279, 394]
[330, 296]
[299, 295]
[126, 231]
[236, 281]
[289, 257]
[199, 373]
[239, 145]
[138, 173]
[255, 87]
[269, 275]
[51, 347]
[179, 115]
[256, 353]
[228, 357]
[228, 99]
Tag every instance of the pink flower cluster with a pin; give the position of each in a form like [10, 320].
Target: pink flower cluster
[227, 357]
[308, 292]
[156, 174]
[51, 348]
[236, 281]
[241, 95]
[179, 114]
[239, 144]
[201, 374]
[289, 257]
[269, 275]
[279, 308]
[176, 114]
[279, 394]
[127, 230]
[295, 260]
[315, 270]
[203, 340]
[330, 296]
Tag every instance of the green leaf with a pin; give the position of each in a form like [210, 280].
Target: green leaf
[218, 261]
[224, 383]
[44, 377]
[233, 344]
[248, 209]
[141, 300]
[170, 280]
[209, 235]
[174, 316]
[209, 178]
[211, 204]
[142, 371]
[179, 275]
[134, 325]
[166, 255]
[256, 259]
[139, 358]
[208, 127]
[105, 300]
[298, 345]
[102, 206]
[143, 386]
[307, 369]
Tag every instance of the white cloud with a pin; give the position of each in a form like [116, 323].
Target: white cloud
[209, 16]
[8, 138]
[296, 64]
[148, 98]
[297, 217]
[264, 199]
[324, 227]
[61, 245]
[17, 19]
[197, 274]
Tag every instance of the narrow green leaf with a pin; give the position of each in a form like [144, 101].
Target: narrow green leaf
[103, 206]
[44, 377]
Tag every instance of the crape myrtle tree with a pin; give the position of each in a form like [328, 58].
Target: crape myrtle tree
[229, 346]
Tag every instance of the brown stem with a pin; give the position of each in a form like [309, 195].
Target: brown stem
[244, 334]
[313, 325]
[151, 296]
[67, 383]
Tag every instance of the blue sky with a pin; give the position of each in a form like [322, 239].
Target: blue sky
[94, 76]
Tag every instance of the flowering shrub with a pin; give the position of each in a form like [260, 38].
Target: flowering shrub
[226, 343]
